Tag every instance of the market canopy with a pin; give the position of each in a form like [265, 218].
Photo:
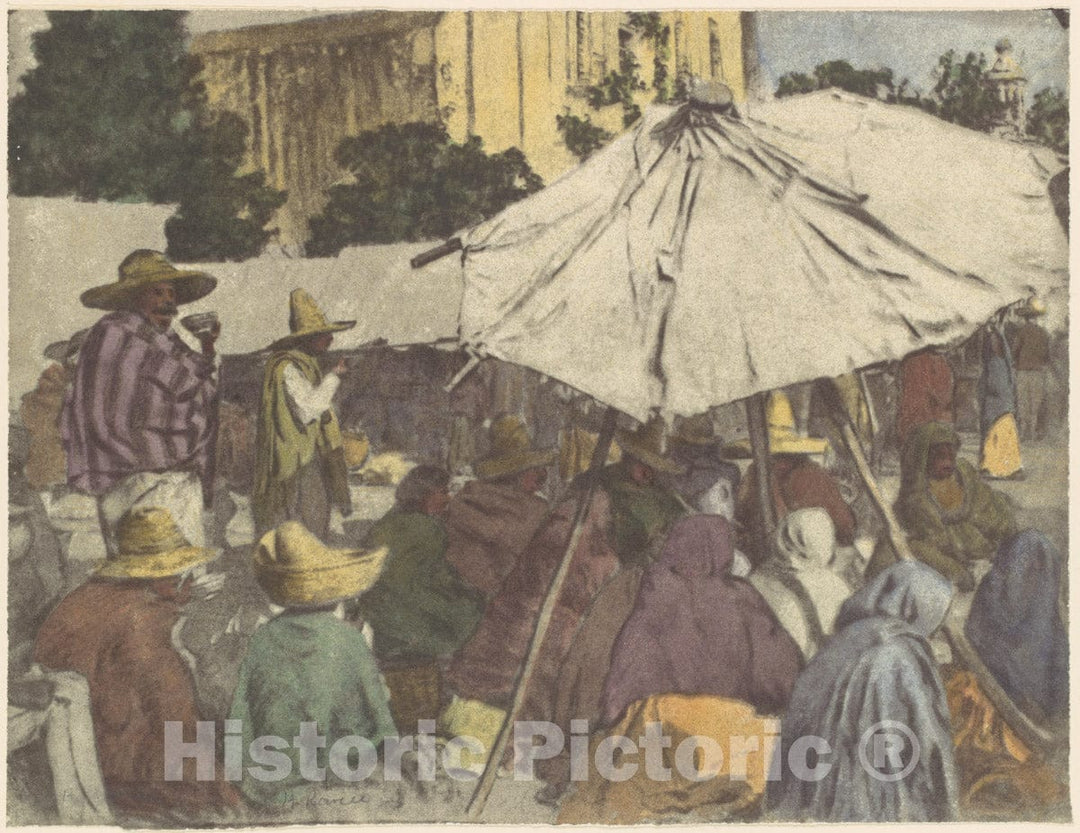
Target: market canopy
[61, 247]
[702, 257]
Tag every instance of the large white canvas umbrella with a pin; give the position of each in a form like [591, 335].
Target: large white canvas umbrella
[704, 257]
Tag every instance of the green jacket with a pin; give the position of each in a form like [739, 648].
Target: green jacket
[948, 540]
[420, 608]
[641, 515]
[283, 446]
[304, 667]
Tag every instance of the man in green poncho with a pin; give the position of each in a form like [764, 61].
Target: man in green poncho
[420, 609]
[950, 516]
[300, 470]
[308, 666]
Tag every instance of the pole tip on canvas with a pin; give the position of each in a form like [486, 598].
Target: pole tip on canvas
[711, 95]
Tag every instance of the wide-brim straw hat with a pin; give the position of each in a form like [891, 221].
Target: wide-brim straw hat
[646, 444]
[306, 319]
[150, 545]
[141, 269]
[512, 450]
[296, 569]
[61, 351]
[783, 438]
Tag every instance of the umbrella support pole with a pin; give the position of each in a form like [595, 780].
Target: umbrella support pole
[483, 789]
[469, 367]
[1035, 736]
[759, 446]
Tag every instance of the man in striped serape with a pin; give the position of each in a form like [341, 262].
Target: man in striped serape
[139, 423]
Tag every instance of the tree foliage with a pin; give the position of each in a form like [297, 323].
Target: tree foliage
[1048, 119]
[413, 183]
[873, 83]
[961, 94]
[581, 137]
[102, 113]
[622, 87]
[221, 216]
[114, 110]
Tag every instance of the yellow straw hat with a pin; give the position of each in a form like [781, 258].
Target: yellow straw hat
[306, 319]
[139, 270]
[151, 545]
[1032, 309]
[296, 569]
[647, 445]
[783, 439]
[512, 450]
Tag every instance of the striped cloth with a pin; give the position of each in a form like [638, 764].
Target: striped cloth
[142, 400]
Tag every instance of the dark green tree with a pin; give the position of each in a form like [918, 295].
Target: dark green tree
[114, 110]
[413, 183]
[873, 83]
[1048, 119]
[581, 137]
[221, 216]
[103, 111]
[961, 94]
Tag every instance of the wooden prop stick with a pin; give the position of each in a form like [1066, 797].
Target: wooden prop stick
[1028, 731]
[469, 367]
[759, 447]
[442, 250]
[487, 780]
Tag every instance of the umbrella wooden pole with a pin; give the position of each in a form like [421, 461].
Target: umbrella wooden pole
[759, 447]
[1026, 729]
[483, 789]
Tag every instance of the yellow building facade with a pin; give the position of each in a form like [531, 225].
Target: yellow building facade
[501, 75]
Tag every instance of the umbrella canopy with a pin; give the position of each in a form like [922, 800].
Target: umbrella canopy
[699, 259]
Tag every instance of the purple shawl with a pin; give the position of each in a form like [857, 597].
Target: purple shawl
[696, 629]
[142, 400]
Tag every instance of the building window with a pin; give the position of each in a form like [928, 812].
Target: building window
[682, 53]
[716, 60]
[582, 48]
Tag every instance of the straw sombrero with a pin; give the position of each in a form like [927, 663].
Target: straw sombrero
[647, 445]
[61, 351]
[512, 450]
[306, 319]
[139, 270]
[783, 438]
[296, 569]
[151, 545]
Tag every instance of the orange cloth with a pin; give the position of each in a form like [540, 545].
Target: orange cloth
[733, 791]
[997, 771]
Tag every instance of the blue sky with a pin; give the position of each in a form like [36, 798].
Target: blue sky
[910, 42]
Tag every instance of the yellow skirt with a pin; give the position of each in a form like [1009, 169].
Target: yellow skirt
[1001, 448]
[721, 787]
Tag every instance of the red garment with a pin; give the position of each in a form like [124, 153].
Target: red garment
[926, 393]
[797, 483]
[117, 635]
[487, 666]
[489, 525]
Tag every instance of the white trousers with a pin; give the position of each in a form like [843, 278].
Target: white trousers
[178, 491]
[67, 729]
